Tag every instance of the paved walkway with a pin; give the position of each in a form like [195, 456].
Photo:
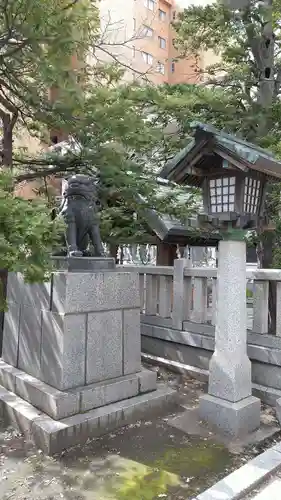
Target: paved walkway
[271, 490]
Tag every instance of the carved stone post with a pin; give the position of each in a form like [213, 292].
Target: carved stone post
[229, 403]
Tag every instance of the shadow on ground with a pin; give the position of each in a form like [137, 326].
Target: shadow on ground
[143, 461]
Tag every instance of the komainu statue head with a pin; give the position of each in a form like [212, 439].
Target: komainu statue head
[81, 185]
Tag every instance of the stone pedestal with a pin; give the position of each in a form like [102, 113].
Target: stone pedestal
[72, 347]
[229, 404]
[82, 264]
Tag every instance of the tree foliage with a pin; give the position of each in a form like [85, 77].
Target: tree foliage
[118, 135]
[248, 73]
[115, 129]
[27, 234]
[39, 42]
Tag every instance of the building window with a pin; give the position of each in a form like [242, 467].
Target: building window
[134, 24]
[173, 67]
[150, 4]
[162, 42]
[147, 32]
[160, 68]
[148, 59]
[162, 15]
[134, 51]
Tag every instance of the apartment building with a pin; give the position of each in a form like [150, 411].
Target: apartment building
[139, 33]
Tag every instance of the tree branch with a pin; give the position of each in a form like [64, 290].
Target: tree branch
[7, 105]
[70, 5]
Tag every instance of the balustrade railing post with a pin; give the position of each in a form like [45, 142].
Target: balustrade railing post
[151, 294]
[260, 307]
[180, 285]
[199, 313]
[142, 296]
[214, 301]
[165, 290]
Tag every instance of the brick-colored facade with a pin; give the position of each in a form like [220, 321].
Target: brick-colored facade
[143, 28]
[143, 36]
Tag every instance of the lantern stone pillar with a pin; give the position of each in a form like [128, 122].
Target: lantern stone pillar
[229, 404]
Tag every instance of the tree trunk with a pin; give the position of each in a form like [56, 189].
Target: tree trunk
[7, 151]
[8, 123]
[263, 52]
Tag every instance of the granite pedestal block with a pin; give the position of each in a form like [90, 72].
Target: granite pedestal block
[235, 419]
[71, 366]
[78, 329]
[61, 404]
[53, 436]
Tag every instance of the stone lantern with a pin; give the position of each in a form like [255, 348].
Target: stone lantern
[233, 175]
[235, 196]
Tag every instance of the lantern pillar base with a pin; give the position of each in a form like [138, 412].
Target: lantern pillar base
[234, 419]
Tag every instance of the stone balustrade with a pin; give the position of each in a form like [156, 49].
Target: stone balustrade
[189, 294]
[178, 317]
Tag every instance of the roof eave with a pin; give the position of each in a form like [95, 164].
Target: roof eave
[175, 169]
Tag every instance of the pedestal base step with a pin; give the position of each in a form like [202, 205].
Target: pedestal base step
[191, 423]
[234, 419]
[61, 404]
[53, 436]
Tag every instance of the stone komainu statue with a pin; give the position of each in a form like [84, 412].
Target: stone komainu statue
[79, 209]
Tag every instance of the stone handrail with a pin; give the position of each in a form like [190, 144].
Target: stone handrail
[155, 270]
[258, 274]
[184, 294]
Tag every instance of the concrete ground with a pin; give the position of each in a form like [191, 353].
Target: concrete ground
[145, 461]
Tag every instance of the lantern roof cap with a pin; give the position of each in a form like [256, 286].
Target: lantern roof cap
[209, 148]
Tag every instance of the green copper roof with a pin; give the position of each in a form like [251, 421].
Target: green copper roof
[246, 150]
[253, 156]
